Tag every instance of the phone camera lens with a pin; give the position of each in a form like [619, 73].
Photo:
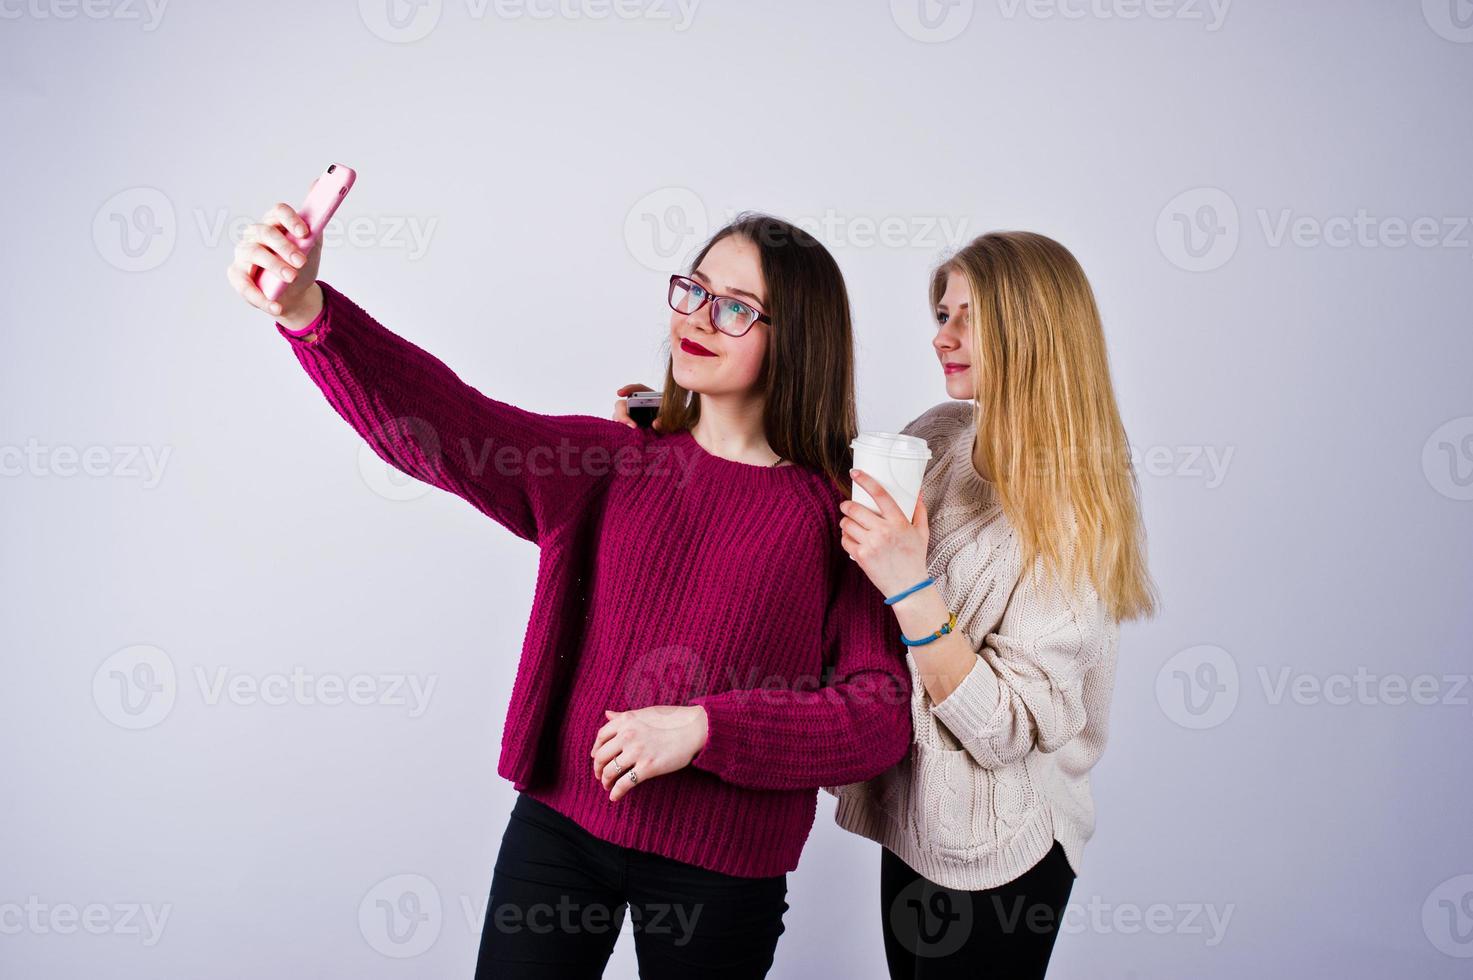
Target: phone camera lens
[332, 168]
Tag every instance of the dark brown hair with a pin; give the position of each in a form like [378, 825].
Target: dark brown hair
[807, 375]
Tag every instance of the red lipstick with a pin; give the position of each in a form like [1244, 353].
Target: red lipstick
[691, 347]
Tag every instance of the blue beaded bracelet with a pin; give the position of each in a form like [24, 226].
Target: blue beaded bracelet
[914, 588]
[947, 628]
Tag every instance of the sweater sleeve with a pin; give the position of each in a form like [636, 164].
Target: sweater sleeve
[526, 471]
[849, 730]
[1027, 687]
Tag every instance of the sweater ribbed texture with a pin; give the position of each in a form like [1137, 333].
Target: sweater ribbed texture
[1000, 768]
[667, 576]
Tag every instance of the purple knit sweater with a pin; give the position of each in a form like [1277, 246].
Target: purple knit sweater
[667, 575]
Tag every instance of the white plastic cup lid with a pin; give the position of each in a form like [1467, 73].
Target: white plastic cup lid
[892, 444]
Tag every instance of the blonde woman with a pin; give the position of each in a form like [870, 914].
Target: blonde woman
[1009, 582]
[1025, 552]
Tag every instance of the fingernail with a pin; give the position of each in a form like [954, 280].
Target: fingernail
[298, 258]
[275, 307]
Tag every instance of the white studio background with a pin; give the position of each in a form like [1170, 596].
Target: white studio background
[1272, 201]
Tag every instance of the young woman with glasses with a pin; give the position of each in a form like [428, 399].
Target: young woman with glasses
[701, 656]
[1025, 551]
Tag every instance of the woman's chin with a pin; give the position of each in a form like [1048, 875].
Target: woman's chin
[690, 380]
[959, 386]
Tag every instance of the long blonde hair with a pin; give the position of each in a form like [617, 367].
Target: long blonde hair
[1044, 391]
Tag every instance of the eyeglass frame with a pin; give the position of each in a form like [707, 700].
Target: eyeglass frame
[710, 296]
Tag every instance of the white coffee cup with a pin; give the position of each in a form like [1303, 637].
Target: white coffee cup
[898, 462]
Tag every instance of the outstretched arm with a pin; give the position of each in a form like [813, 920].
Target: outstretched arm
[525, 470]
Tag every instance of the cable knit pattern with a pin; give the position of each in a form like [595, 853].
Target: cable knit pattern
[667, 576]
[1000, 768]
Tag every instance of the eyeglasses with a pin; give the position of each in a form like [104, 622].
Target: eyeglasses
[731, 316]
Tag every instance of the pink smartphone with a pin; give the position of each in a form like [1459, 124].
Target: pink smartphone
[323, 198]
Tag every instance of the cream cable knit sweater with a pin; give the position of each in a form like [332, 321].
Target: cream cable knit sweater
[1000, 768]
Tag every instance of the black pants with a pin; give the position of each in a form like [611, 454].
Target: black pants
[1002, 933]
[559, 896]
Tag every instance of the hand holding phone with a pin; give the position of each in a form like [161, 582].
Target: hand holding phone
[323, 198]
[637, 406]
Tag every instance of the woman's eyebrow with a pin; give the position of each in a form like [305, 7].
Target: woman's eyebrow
[729, 290]
[742, 292]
